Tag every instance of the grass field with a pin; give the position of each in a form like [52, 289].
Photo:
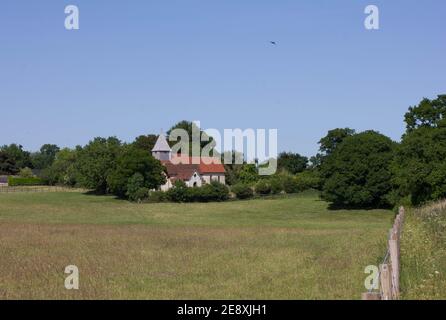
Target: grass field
[288, 248]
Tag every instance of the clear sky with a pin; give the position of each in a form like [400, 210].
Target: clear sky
[135, 67]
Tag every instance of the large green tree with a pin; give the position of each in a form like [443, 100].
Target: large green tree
[7, 164]
[133, 161]
[357, 173]
[15, 153]
[96, 161]
[420, 162]
[63, 168]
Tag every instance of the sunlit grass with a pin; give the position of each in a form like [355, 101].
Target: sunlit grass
[290, 248]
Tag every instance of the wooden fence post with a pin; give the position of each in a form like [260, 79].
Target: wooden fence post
[386, 282]
[395, 263]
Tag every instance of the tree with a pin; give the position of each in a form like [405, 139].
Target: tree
[334, 138]
[420, 165]
[130, 162]
[45, 157]
[292, 162]
[189, 127]
[146, 142]
[63, 170]
[15, 153]
[428, 113]
[7, 164]
[357, 173]
[96, 161]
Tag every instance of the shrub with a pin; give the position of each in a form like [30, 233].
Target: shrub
[290, 184]
[135, 188]
[214, 191]
[26, 173]
[263, 187]
[242, 191]
[276, 185]
[179, 192]
[17, 181]
[308, 180]
[157, 196]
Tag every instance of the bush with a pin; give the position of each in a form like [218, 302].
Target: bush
[214, 191]
[276, 185]
[26, 173]
[17, 181]
[179, 192]
[290, 185]
[135, 188]
[308, 180]
[242, 191]
[263, 187]
[158, 196]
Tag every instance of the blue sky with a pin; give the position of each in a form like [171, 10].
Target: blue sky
[135, 67]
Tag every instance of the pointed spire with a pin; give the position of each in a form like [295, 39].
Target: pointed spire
[161, 144]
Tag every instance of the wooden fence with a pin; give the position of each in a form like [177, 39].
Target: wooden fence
[389, 270]
[24, 189]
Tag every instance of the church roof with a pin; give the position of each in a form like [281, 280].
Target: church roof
[161, 144]
[185, 167]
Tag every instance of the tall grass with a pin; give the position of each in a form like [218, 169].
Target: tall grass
[423, 253]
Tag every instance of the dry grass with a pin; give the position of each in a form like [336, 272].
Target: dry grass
[263, 249]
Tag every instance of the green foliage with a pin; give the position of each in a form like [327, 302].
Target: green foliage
[45, 157]
[19, 181]
[212, 192]
[63, 170]
[420, 165]
[358, 172]
[248, 174]
[179, 192]
[204, 141]
[7, 164]
[276, 184]
[333, 139]
[96, 161]
[26, 173]
[292, 162]
[263, 187]
[145, 143]
[15, 155]
[158, 196]
[242, 191]
[131, 161]
[309, 179]
[135, 188]
[290, 184]
[428, 113]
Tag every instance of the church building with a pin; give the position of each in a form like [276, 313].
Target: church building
[193, 171]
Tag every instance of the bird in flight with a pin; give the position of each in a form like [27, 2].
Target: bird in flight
[273, 43]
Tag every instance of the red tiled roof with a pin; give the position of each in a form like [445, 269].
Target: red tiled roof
[184, 167]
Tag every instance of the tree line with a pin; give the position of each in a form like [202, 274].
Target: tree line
[351, 169]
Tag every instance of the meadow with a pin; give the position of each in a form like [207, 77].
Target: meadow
[286, 248]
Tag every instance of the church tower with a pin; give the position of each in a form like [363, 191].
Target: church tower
[162, 150]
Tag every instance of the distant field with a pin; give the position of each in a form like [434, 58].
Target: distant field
[290, 248]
